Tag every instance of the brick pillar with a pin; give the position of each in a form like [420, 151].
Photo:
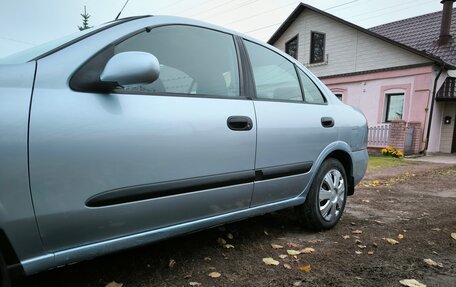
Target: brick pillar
[417, 134]
[397, 134]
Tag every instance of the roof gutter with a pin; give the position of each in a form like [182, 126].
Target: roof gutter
[434, 93]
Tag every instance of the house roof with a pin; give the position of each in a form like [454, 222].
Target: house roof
[301, 7]
[422, 33]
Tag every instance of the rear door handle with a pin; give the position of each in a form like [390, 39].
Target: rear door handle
[239, 123]
[327, 122]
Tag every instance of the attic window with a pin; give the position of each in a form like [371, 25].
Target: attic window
[317, 47]
[291, 47]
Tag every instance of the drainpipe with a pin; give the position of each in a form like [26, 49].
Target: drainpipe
[434, 93]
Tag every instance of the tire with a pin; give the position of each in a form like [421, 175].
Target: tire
[325, 201]
[5, 279]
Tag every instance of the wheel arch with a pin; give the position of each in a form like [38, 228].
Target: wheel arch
[345, 159]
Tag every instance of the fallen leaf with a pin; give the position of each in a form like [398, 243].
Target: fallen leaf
[306, 268]
[188, 276]
[357, 231]
[365, 200]
[313, 241]
[228, 246]
[307, 250]
[346, 236]
[435, 229]
[283, 256]
[353, 223]
[114, 284]
[411, 283]
[270, 261]
[276, 246]
[221, 241]
[400, 236]
[370, 253]
[297, 283]
[358, 252]
[230, 236]
[194, 284]
[375, 245]
[207, 258]
[293, 252]
[287, 266]
[357, 242]
[211, 268]
[361, 246]
[391, 241]
[379, 222]
[453, 235]
[171, 263]
[266, 232]
[431, 262]
[214, 274]
[291, 244]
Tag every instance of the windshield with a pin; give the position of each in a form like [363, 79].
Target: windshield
[32, 53]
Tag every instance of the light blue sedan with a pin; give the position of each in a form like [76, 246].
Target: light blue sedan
[150, 127]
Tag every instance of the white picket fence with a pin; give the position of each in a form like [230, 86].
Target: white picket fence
[378, 136]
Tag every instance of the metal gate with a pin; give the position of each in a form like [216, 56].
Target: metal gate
[408, 140]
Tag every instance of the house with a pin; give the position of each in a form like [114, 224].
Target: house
[399, 74]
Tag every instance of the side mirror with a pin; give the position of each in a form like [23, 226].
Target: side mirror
[130, 68]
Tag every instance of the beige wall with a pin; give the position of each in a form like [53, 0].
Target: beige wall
[348, 49]
[446, 131]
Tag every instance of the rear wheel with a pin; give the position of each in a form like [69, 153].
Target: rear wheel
[327, 195]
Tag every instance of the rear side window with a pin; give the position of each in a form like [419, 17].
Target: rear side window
[275, 77]
[192, 60]
[312, 93]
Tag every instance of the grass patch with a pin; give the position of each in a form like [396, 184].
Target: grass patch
[376, 162]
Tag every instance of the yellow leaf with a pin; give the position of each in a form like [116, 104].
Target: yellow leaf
[370, 253]
[270, 261]
[283, 256]
[287, 266]
[293, 252]
[358, 252]
[400, 236]
[214, 274]
[453, 235]
[431, 262]
[411, 283]
[114, 284]
[228, 246]
[306, 268]
[307, 250]
[391, 241]
[276, 246]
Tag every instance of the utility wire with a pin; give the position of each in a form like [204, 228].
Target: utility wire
[340, 5]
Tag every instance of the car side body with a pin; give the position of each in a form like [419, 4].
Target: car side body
[86, 172]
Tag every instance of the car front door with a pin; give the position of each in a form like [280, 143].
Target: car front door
[294, 125]
[145, 156]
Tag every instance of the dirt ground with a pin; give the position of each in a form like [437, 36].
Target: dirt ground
[417, 201]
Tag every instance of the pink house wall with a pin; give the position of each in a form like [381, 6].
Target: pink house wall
[368, 92]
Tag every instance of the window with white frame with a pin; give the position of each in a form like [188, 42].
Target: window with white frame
[394, 107]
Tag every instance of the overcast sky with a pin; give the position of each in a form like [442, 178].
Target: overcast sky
[25, 23]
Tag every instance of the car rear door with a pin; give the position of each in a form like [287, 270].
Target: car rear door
[146, 156]
[294, 125]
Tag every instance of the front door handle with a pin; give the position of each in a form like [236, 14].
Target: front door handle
[327, 122]
[239, 123]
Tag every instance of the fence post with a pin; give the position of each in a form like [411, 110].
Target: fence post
[416, 142]
[397, 134]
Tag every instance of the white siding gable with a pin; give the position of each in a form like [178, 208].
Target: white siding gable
[348, 49]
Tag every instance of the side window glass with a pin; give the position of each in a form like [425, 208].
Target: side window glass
[192, 61]
[275, 77]
[312, 94]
